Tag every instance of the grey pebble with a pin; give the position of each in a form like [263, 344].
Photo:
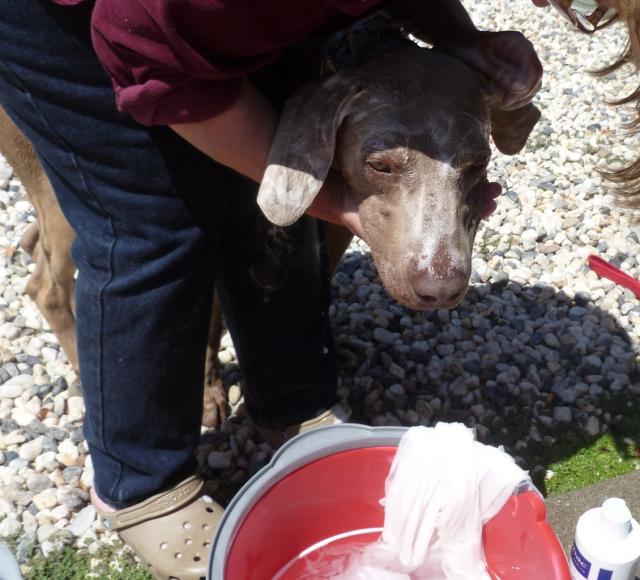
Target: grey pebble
[71, 474]
[592, 426]
[383, 335]
[37, 482]
[562, 414]
[26, 547]
[219, 460]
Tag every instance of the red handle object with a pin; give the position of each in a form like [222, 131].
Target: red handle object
[608, 270]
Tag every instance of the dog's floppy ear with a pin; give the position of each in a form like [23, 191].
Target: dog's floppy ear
[510, 129]
[303, 148]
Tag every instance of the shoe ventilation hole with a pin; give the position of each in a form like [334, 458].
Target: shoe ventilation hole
[188, 541]
[178, 555]
[205, 544]
[196, 558]
[210, 510]
[206, 526]
[186, 526]
[164, 546]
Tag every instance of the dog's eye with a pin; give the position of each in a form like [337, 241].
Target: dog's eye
[475, 168]
[474, 172]
[379, 165]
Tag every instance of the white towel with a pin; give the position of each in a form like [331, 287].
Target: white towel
[442, 487]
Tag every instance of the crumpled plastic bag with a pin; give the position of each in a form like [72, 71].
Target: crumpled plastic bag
[442, 487]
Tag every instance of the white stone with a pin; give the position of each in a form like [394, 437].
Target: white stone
[34, 322]
[14, 437]
[22, 416]
[49, 354]
[46, 499]
[43, 517]
[59, 513]
[67, 453]
[15, 386]
[29, 523]
[43, 459]
[235, 394]
[76, 409]
[31, 449]
[45, 532]
[81, 523]
[6, 508]
[10, 527]
[86, 479]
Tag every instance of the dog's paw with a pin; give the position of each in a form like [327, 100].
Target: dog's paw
[215, 405]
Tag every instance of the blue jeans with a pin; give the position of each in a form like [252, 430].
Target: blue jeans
[158, 224]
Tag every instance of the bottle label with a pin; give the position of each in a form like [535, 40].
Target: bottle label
[582, 565]
[604, 574]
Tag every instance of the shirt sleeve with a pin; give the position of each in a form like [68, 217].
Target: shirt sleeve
[355, 7]
[159, 77]
[181, 61]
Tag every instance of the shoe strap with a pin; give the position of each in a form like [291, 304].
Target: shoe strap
[156, 506]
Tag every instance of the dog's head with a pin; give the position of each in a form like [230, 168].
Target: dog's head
[409, 132]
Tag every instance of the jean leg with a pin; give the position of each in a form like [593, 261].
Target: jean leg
[147, 209]
[274, 289]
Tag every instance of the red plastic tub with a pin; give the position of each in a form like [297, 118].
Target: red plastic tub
[299, 511]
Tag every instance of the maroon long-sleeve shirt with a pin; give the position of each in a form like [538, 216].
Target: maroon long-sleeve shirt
[179, 61]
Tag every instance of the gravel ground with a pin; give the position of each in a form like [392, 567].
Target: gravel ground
[537, 347]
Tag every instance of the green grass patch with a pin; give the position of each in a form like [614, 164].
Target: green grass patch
[65, 564]
[113, 563]
[577, 460]
[602, 459]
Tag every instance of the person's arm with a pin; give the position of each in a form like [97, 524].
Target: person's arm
[438, 22]
[240, 137]
[153, 54]
[506, 57]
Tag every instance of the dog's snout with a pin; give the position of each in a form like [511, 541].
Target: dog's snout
[438, 288]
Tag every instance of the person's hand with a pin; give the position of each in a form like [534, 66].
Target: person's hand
[335, 203]
[508, 59]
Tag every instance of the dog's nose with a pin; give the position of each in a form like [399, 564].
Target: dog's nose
[437, 290]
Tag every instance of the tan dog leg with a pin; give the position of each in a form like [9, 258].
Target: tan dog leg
[48, 241]
[51, 286]
[215, 397]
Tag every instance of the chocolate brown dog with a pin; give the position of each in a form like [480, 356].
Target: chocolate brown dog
[409, 132]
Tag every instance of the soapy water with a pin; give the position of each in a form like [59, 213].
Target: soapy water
[347, 557]
[441, 488]
[326, 560]
[341, 557]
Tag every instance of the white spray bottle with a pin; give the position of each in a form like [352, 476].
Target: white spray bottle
[606, 544]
